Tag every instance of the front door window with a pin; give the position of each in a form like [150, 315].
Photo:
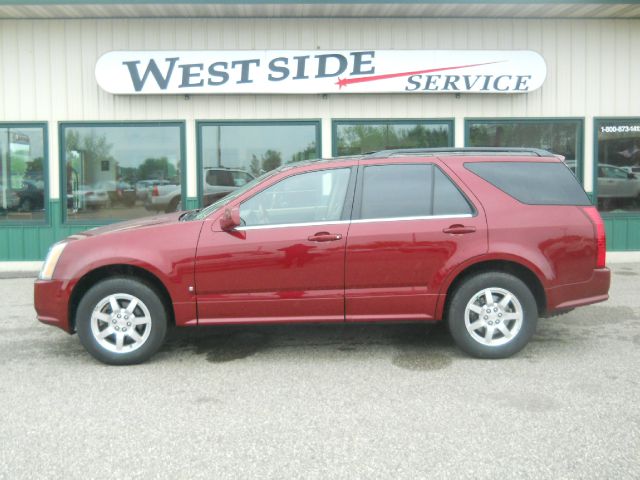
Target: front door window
[312, 197]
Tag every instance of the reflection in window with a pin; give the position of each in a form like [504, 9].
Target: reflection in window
[396, 191]
[22, 179]
[308, 197]
[561, 137]
[121, 172]
[353, 137]
[618, 154]
[410, 190]
[233, 154]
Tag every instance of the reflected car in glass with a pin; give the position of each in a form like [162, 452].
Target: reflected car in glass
[143, 188]
[90, 197]
[487, 240]
[616, 182]
[119, 192]
[31, 195]
[9, 199]
[219, 182]
[632, 169]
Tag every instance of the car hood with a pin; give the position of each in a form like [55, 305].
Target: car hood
[134, 224]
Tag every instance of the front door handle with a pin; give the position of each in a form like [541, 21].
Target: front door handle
[458, 229]
[325, 237]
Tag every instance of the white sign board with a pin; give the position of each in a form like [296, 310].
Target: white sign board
[320, 71]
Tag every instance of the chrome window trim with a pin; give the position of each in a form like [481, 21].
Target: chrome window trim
[425, 217]
[363, 220]
[284, 225]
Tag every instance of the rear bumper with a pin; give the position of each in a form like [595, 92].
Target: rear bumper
[51, 302]
[595, 290]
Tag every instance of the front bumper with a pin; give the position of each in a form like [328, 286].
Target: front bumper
[51, 300]
[594, 290]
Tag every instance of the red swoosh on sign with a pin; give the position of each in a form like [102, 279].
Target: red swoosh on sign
[343, 82]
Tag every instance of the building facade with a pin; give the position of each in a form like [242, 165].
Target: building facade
[75, 155]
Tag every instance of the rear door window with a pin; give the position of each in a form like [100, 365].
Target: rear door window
[409, 190]
[533, 183]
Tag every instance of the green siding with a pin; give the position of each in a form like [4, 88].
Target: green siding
[31, 242]
[191, 204]
[623, 232]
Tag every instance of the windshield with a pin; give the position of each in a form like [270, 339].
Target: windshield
[205, 212]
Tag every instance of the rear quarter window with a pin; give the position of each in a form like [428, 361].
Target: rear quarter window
[533, 183]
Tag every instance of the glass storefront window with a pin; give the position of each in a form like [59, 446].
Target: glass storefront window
[22, 173]
[233, 154]
[559, 136]
[618, 166]
[355, 137]
[123, 171]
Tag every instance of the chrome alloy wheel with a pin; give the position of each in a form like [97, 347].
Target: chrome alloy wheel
[121, 323]
[493, 316]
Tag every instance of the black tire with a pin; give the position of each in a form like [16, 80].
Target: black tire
[148, 298]
[173, 205]
[468, 292]
[26, 205]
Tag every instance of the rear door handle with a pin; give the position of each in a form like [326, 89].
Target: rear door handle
[459, 229]
[325, 237]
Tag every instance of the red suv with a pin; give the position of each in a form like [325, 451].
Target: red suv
[486, 239]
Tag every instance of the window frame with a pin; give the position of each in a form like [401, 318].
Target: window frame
[62, 167]
[335, 123]
[46, 221]
[597, 123]
[468, 121]
[356, 215]
[200, 124]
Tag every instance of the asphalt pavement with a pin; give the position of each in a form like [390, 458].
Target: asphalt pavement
[326, 402]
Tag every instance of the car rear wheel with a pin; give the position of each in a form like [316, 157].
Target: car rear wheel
[121, 321]
[492, 315]
[173, 205]
[26, 205]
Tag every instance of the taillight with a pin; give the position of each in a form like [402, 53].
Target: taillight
[155, 192]
[601, 237]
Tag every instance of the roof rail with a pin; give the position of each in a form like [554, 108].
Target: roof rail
[461, 151]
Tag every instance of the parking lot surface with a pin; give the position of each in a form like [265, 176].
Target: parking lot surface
[328, 401]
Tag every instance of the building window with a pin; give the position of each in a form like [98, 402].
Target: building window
[559, 136]
[120, 171]
[354, 137]
[618, 165]
[233, 153]
[23, 173]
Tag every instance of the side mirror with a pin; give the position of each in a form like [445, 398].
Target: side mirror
[631, 176]
[230, 219]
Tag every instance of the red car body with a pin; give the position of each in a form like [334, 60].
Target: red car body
[366, 270]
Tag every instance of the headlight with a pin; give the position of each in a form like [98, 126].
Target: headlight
[46, 273]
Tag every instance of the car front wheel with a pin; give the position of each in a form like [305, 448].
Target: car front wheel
[492, 315]
[121, 321]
